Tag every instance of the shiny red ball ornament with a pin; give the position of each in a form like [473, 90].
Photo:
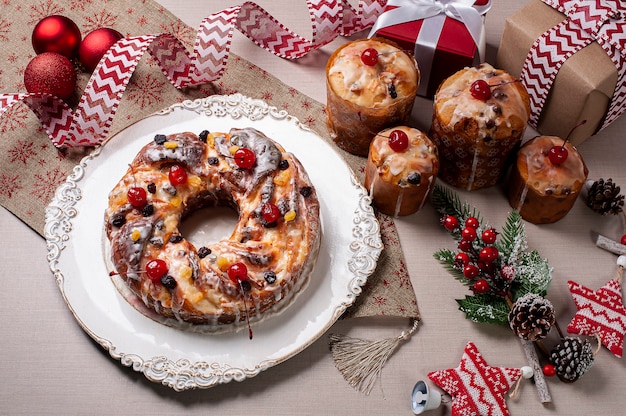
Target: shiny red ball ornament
[95, 45]
[623, 240]
[56, 34]
[50, 73]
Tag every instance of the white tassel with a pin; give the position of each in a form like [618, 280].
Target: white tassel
[361, 361]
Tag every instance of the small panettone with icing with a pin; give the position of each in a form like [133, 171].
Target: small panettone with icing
[544, 192]
[401, 170]
[371, 84]
[479, 119]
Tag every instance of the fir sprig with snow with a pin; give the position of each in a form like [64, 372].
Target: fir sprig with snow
[496, 266]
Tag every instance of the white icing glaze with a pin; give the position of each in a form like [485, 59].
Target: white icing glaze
[368, 86]
[506, 100]
[545, 177]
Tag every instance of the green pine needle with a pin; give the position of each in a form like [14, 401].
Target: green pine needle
[447, 202]
[446, 258]
[485, 309]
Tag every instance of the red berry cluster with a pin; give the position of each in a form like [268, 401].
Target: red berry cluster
[478, 258]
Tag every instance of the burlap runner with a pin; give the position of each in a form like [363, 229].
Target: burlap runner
[31, 168]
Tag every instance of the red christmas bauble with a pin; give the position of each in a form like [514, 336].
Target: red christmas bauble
[95, 45]
[56, 34]
[50, 73]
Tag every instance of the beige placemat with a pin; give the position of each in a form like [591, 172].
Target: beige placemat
[31, 168]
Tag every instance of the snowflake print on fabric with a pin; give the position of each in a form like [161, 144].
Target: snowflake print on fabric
[101, 19]
[146, 91]
[45, 186]
[9, 185]
[600, 312]
[5, 28]
[22, 152]
[44, 9]
[476, 388]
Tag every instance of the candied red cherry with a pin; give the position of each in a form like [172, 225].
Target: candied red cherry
[156, 269]
[489, 236]
[480, 90]
[470, 271]
[177, 175]
[137, 196]
[369, 57]
[270, 212]
[558, 154]
[245, 158]
[468, 234]
[481, 286]
[450, 222]
[488, 254]
[398, 141]
[472, 222]
[237, 272]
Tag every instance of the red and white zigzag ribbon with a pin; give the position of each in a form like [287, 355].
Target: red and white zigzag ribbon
[602, 21]
[89, 123]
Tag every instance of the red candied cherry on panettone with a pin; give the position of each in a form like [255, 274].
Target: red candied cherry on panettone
[245, 158]
[398, 141]
[480, 90]
[156, 269]
[137, 196]
[177, 175]
[558, 154]
[270, 212]
[369, 56]
[237, 272]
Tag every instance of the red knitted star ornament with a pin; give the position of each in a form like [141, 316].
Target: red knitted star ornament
[476, 388]
[601, 312]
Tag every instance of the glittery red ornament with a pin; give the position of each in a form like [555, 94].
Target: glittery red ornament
[95, 45]
[56, 34]
[50, 73]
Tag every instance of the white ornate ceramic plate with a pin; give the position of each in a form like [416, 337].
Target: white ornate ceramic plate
[180, 359]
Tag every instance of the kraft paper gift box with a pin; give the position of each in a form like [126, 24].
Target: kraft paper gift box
[442, 45]
[586, 85]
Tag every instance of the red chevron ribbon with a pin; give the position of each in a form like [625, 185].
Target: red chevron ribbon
[587, 21]
[89, 123]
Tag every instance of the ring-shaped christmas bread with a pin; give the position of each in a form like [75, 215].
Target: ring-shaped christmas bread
[265, 261]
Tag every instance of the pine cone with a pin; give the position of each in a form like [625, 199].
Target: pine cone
[531, 317]
[572, 358]
[604, 198]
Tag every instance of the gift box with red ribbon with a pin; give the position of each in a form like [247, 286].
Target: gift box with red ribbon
[444, 35]
[571, 56]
